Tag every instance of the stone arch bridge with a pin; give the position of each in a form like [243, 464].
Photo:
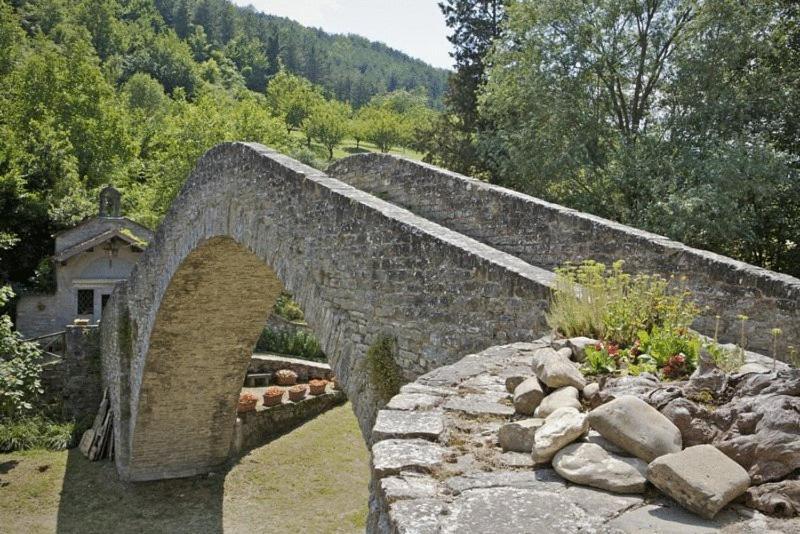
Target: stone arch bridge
[467, 266]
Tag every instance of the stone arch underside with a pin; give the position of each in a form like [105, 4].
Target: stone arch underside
[177, 336]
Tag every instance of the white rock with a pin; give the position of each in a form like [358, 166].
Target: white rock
[637, 427]
[591, 465]
[566, 397]
[561, 428]
[701, 478]
[527, 396]
[555, 369]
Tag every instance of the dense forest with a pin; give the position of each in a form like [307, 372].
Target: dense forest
[132, 92]
[677, 116]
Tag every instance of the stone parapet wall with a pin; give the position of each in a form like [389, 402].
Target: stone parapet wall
[548, 235]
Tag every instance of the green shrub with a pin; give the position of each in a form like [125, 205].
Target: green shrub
[36, 433]
[298, 343]
[384, 373]
[20, 368]
[288, 308]
[590, 300]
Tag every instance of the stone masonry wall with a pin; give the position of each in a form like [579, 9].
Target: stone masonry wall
[548, 235]
[177, 337]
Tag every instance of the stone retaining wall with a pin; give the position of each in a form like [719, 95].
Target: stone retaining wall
[253, 429]
[548, 235]
[73, 383]
[305, 369]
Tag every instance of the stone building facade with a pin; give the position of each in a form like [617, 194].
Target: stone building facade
[89, 260]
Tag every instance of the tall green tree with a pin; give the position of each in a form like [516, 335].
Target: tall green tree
[329, 123]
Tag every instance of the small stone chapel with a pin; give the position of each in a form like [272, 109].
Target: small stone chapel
[89, 260]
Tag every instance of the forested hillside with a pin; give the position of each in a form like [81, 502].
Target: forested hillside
[349, 68]
[132, 92]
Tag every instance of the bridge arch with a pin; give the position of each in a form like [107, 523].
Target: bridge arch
[177, 336]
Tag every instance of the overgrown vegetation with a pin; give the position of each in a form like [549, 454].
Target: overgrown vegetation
[288, 308]
[20, 368]
[382, 369]
[642, 322]
[297, 343]
[37, 432]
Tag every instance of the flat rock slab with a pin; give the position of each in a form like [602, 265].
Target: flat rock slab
[391, 456]
[478, 405]
[591, 465]
[405, 424]
[414, 401]
[399, 488]
[505, 510]
[417, 516]
[700, 478]
[637, 427]
[662, 519]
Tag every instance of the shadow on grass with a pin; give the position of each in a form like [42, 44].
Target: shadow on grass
[354, 150]
[95, 500]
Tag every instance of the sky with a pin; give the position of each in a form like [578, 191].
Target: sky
[415, 27]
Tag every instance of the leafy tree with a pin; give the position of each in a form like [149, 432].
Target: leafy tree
[292, 98]
[382, 127]
[475, 25]
[329, 124]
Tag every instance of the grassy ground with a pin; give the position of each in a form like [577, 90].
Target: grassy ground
[313, 479]
[348, 148]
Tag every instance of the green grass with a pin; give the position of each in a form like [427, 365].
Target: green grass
[314, 479]
[348, 148]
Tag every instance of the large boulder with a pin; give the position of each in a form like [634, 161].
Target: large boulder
[566, 397]
[775, 498]
[527, 396]
[555, 369]
[518, 436]
[561, 428]
[700, 478]
[591, 465]
[637, 427]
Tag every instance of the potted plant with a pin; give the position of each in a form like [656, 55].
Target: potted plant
[317, 387]
[286, 377]
[297, 393]
[247, 403]
[273, 396]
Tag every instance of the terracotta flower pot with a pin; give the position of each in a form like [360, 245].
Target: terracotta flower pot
[297, 393]
[247, 403]
[317, 387]
[285, 377]
[273, 396]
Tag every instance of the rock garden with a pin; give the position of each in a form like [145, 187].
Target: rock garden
[623, 420]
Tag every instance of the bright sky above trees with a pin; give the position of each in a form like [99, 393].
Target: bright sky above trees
[415, 27]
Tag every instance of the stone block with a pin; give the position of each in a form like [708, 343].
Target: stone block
[405, 424]
[700, 478]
